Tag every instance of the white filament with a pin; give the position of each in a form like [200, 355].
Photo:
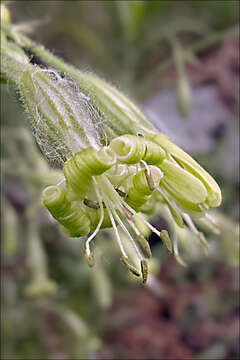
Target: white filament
[114, 227]
[127, 232]
[87, 244]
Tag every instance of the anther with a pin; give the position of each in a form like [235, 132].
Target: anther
[130, 267]
[145, 245]
[91, 204]
[166, 239]
[149, 180]
[90, 259]
[144, 268]
[121, 193]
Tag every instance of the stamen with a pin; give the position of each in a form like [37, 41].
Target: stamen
[211, 222]
[130, 266]
[176, 253]
[154, 230]
[89, 256]
[115, 228]
[190, 223]
[199, 234]
[145, 245]
[146, 166]
[127, 232]
[161, 234]
[141, 239]
[149, 180]
[121, 193]
[131, 222]
[166, 239]
[144, 268]
[172, 210]
[91, 204]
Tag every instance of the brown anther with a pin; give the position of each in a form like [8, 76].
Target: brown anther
[166, 239]
[130, 267]
[145, 245]
[90, 259]
[91, 204]
[121, 193]
[144, 269]
[149, 180]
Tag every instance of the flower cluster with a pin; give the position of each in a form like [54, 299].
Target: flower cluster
[113, 185]
[116, 165]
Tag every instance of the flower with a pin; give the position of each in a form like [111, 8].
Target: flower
[116, 166]
[114, 185]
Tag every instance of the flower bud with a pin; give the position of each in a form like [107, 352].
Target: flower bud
[120, 114]
[213, 197]
[183, 183]
[62, 118]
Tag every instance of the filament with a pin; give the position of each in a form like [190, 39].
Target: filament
[127, 232]
[190, 223]
[199, 234]
[146, 166]
[115, 227]
[154, 230]
[87, 244]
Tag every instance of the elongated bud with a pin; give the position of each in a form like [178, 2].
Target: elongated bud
[214, 197]
[63, 120]
[183, 183]
[120, 114]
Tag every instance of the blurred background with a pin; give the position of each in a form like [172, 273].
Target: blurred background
[180, 61]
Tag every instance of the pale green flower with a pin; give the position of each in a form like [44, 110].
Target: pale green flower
[116, 166]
